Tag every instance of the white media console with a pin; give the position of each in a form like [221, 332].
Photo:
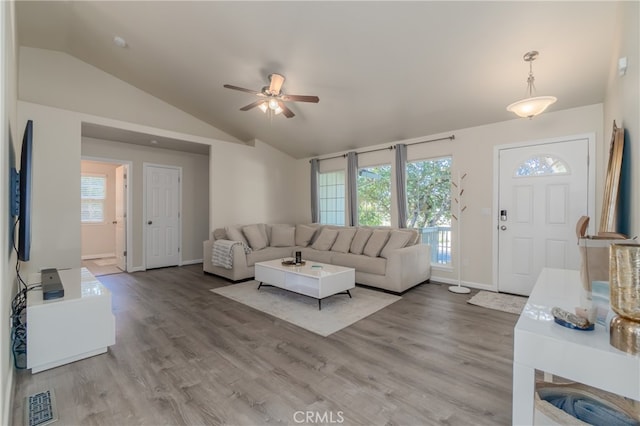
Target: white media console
[76, 326]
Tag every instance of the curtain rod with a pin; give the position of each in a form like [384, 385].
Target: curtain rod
[452, 137]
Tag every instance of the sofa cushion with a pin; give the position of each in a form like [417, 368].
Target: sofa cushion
[376, 242]
[416, 238]
[343, 242]
[326, 239]
[397, 240]
[255, 236]
[360, 240]
[234, 233]
[268, 253]
[322, 256]
[283, 236]
[304, 234]
[371, 265]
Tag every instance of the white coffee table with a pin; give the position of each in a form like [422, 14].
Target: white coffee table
[313, 279]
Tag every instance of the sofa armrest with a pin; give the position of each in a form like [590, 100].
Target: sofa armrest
[410, 265]
[207, 252]
[239, 257]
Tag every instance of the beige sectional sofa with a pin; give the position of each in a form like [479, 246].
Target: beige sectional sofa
[386, 258]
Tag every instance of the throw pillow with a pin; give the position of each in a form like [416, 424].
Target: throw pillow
[219, 234]
[255, 236]
[283, 236]
[234, 233]
[326, 239]
[376, 242]
[343, 242]
[359, 240]
[397, 240]
[304, 234]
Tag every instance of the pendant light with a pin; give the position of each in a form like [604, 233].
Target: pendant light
[531, 106]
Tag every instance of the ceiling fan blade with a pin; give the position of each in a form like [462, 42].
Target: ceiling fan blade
[242, 89]
[300, 98]
[285, 110]
[251, 105]
[276, 82]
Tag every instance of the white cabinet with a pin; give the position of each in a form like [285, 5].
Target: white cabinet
[77, 326]
[581, 356]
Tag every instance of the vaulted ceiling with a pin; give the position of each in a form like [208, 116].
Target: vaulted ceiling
[384, 71]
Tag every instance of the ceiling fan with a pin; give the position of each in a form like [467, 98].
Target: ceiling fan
[272, 98]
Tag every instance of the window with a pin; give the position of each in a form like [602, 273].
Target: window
[93, 190]
[374, 195]
[542, 165]
[429, 205]
[331, 194]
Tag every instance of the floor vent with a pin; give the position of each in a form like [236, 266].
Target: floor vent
[40, 409]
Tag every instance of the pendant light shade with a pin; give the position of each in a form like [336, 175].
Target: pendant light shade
[531, 106]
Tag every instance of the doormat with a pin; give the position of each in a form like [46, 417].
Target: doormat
[40, 409]
[499, 301]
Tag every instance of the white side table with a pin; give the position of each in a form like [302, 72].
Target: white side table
[582, 356]
[77, 326]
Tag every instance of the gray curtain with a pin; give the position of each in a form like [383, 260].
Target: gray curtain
[401, 184]
[315, 205]
[352, 188]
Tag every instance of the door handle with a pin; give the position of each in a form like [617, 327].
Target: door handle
[503, 227]
[149, 223]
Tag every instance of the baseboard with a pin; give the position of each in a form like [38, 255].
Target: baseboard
[7, 409]
[470, 284]
[97, 256]
[137, 269]
[191, 262]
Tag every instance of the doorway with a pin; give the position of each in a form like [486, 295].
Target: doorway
[543, 188]
[104, 197]
[163, 226]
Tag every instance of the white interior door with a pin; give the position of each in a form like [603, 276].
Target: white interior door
[543, 191]
[162, 216]
[121, 217]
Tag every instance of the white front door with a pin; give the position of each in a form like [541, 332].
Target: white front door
[121, 215]
[543, 191]
[162, 186]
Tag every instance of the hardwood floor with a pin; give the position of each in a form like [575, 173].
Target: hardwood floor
[184, 355]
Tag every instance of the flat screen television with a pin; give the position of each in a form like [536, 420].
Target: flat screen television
[24, 210]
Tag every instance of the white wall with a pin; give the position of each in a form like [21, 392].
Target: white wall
[55, 220]
[195, 191]
[472, 152]
[254, 184]
[57, 79]
[99, 239]
[10, 134]
[622, 103]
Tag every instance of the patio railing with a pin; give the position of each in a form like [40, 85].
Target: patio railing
[439, 238]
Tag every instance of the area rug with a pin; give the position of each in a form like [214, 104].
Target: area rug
[499, 301]
[338, 311]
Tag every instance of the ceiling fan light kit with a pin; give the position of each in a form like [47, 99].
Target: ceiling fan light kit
[273, 98]
[531, 106]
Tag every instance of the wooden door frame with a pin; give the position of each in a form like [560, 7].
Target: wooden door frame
[129, 199]
[145, 166]
[591, 186]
